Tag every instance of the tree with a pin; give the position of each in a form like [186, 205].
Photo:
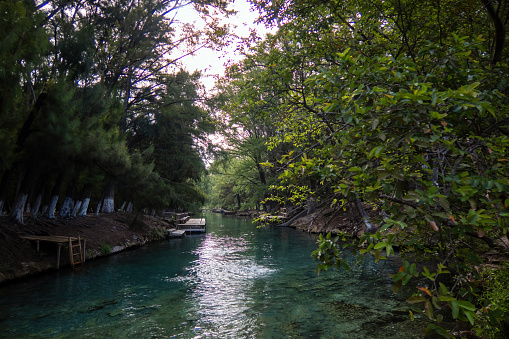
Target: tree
[85, 73]
[401, 104]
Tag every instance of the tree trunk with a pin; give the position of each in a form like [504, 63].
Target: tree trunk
[54, 197]
[84, 201]
[369, 227]
[52, 206]
[127, 95]
[122, 207]
[84, 207]
[18, 207]
[65, 210]
[76, 208]
[498, 23]
[25, 129]
[35, 197]
[129, 208]
[311, 205]
[37, 205]
[21, 197]
[4, 187]
[98, 208]
[20, 142]
[261, 173]
[67, 206]
[109, 194]
[297, 216]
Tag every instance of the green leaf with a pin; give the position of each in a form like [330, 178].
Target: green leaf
[398, 276]
[416, 299]
[436, 302]
[455, 308]
[434, 97]
[472, 217]
[406, 279]
[466, 305]
[446, 298]
[443, 290]
[470, 316]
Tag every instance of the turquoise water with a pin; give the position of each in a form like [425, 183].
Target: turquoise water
[237, 281]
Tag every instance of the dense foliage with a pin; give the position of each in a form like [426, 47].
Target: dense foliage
[401, 105]
[93, 102]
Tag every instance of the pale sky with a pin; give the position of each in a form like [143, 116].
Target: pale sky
[211, 62]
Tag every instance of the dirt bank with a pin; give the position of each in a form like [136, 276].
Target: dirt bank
[333, 220]
[104, 234]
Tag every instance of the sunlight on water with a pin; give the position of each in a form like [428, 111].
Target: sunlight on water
[235, 282]
[224, 275]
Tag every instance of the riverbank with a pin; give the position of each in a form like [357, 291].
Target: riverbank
[333, 220]
[104, 234]
[107, 234]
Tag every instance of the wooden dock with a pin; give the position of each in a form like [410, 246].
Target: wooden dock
[193, 225]
[175, 233]
[76, 250]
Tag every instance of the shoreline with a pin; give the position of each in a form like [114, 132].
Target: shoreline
[108, 234]
[105, 235]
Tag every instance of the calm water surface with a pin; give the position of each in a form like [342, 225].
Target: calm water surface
[236, 281]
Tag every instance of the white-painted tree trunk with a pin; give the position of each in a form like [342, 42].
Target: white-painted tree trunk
[65, 211]
[76, 208]
[109, 195]
[108, 205]
[129, 208]
[98, 208]
[28, 208]
[122, 207]
[84, 207]
[19, 207]
[37, 205]
[52, 206]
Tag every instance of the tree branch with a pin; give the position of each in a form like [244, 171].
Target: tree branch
[499, 31]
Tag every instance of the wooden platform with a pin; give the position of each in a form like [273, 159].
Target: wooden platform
[193, 225]
[61, 240]
[175, 233]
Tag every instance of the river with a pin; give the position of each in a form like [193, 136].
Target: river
[236, 281]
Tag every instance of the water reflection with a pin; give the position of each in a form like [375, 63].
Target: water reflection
[224, 274]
